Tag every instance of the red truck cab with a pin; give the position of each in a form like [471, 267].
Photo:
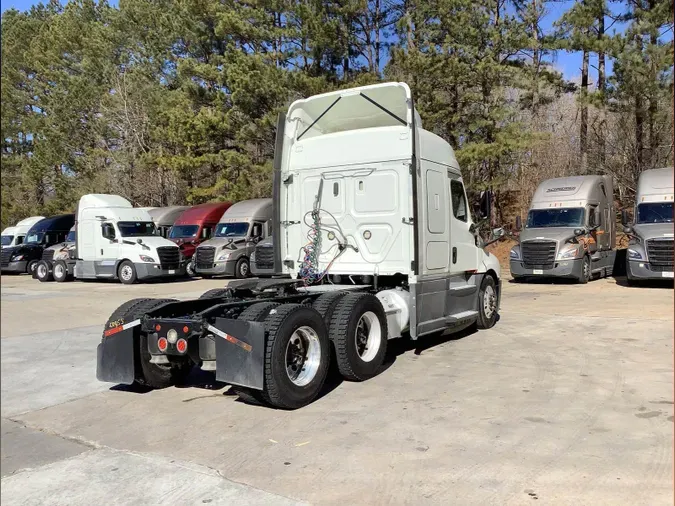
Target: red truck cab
[195, 225]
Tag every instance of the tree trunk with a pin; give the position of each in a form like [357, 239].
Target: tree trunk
[653, 108]
[583, 129]
[377, 36]
[601, 86]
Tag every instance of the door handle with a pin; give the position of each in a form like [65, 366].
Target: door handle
[454, 255]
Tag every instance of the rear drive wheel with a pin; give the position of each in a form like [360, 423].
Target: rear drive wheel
[358, 330]
[126, 272]
[43, 271]
[487, 303]
[258, 312]
[242, 269]
[585, 270]
[326, 303]
[296, 356]
[30, 266]
[60, 271]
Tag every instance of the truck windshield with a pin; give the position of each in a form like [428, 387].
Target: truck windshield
[232, 229]
[71, 236]
[655, 212]
[7, 240]
[136, 228]
[178, 231]
[561, 217]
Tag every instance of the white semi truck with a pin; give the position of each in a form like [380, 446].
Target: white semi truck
[650, 251]
[114, 240]
[13, 236]
[374, 230]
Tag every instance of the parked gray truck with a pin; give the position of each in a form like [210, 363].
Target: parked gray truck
[650, 250]
[228, 252]
[570, 231]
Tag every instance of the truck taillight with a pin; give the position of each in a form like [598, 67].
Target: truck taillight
[181, 345]
[162, 343]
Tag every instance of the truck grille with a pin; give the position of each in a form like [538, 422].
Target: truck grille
[264, 257]
[6, 255]
[660, 253]
[204, 257]
[169, 257]
[538, 254]
[48, 255]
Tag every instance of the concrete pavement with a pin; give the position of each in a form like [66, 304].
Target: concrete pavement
[569, 399]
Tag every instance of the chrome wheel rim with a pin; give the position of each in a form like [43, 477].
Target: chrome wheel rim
[368, 336]
[42, 271]
[58, 270]
[303, 356]
[32, 267]
[190, 269]
[489, 301]
[126, 272]
[243, 270]
[587, 268]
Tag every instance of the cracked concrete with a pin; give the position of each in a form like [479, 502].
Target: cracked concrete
[567, 400]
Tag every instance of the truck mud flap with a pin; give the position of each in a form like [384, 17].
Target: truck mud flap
[240, 352]
[115, 356]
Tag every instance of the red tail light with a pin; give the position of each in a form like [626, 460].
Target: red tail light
[162, 343]
[181, 345]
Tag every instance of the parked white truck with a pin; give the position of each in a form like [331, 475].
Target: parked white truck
[117, 241]
[570, 231]
[650, 250]
[373, 227]
[13, 236]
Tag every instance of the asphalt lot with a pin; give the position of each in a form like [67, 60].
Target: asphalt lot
[568, 400]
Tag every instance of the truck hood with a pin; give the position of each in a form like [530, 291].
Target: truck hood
[232, 243]
[151, 241]
[654, 230]
[23, 249]
[557, 234]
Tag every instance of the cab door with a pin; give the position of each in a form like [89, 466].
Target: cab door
[107, 251]
[463, 251]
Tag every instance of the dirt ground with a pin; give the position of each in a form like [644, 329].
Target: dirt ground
[567, 400]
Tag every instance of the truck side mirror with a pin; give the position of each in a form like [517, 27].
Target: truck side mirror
[624, 218]
[519, 223]
[578, 232]
[108, 231]
[486, 204]
[497, 233]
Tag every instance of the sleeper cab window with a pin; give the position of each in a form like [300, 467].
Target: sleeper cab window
[458, 200]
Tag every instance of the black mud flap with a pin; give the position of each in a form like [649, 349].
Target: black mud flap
[240, 352]
[115, 358]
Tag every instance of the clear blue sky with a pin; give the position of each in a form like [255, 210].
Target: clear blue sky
[568, 63]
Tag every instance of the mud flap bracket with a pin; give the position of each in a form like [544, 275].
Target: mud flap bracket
[240, 352]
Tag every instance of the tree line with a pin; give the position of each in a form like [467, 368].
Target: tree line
[174, 101]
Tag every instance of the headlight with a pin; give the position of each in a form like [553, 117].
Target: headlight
[634, 255]
[224, 256]
[252, 258]
[147, 259]
[17, 258]
[568, 252]
[515, 253]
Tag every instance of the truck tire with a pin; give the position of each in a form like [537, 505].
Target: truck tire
[358, 330]
[43, 271]
[30, 266]
[126, 272]
[487, 303]
[242, 269]
[258, 312]
[326, 303]
[297, 356]
[148, 374]
[190, 269]
[585, 270]
[214, 292]
[60, 271]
